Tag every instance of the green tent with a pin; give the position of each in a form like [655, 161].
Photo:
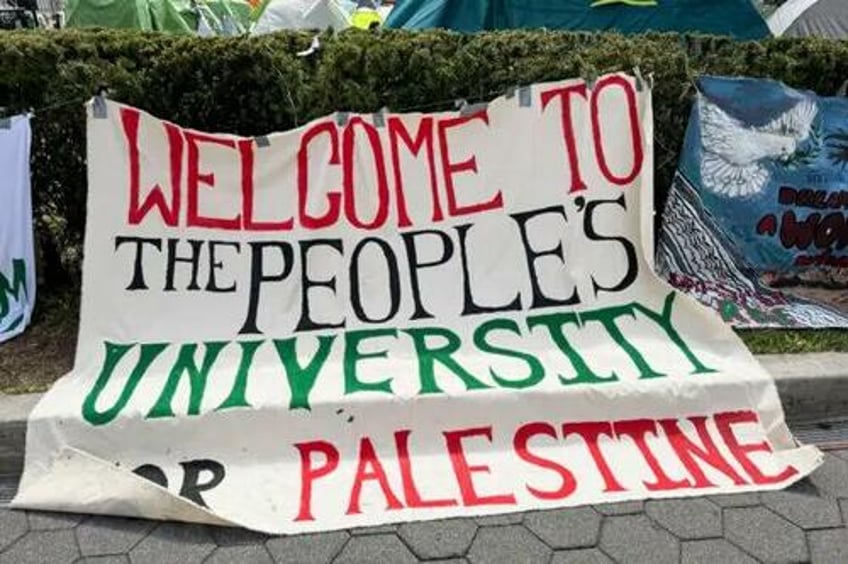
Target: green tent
[738, 18]
[241, 10]
[225, 17]
[159, 15]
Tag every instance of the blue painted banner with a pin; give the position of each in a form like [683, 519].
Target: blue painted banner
[756, 225]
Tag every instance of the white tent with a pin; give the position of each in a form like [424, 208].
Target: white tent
[301, 14]
[806, 18]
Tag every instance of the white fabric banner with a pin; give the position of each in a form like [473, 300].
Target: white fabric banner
[17, 261]
[391, 318]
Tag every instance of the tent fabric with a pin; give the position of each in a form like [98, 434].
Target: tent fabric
[738, 18]
[238, 10]
[365, 18]
[215, 17]
[166, 17]
[468, 15]
[108, 13]
[222, 17]
[147, 15]
[301, 14]
[225, 17]
[811, 18]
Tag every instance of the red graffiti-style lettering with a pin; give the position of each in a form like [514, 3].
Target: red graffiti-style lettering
[410, 491]
[591, 433]
[464, 471]
[370, 468]
[522, 437]
[725, 423]
[707, 451]
[138, 210]
[638, 430]
[451, 168]
[564, 95]
[196, 179]
[633, 125]
[331, 215]
[351, 156]
[423, 140]
[308, 473]
[246, 151]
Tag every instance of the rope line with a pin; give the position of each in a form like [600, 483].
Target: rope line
[34, 113]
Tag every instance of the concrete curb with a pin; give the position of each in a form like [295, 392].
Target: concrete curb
[14, 411]
[813, 387]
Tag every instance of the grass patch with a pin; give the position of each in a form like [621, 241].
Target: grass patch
[776, 341]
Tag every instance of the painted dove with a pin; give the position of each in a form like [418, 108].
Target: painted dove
[735, 158]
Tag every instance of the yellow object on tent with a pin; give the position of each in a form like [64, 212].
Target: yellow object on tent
[366, 18]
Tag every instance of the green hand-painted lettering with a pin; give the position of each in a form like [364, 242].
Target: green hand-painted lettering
[238, 395]
[196, 376]
[353, 355]
[537, 371]
[114, 354]
[428, 357]
[302, 378]
[607, 317]
[663, 319]
[554, 323]
[16, 289]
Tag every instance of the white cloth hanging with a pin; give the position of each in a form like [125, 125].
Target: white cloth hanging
[17, 260]
[301, 14]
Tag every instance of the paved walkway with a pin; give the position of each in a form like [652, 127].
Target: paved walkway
[804, 524]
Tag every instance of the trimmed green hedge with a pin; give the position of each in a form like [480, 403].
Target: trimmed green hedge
[258, 85]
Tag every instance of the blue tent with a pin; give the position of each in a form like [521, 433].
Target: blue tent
[738, 18]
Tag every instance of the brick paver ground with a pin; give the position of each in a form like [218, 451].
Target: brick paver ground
[804, 524]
